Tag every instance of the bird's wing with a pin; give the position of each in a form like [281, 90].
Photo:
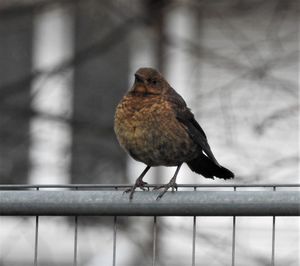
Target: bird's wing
[186, 117]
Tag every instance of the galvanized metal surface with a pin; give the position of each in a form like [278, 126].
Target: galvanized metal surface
[179, 203]
[123, 186]
[266, 199]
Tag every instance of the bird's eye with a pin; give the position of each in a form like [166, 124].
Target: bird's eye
[152, 81]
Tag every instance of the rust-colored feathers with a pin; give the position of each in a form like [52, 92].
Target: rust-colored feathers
[155, 126]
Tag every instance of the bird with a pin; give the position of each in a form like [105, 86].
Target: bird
[154, 126]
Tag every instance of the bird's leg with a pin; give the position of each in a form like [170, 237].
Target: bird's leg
[172, 184]
[138, 183]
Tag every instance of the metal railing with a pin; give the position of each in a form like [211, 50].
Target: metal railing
[190, 200]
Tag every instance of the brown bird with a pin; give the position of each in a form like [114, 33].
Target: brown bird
[155, 126]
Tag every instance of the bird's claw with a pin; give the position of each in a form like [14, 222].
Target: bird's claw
[139, 184]
[158, 187]
[142, 186]
[171, 184]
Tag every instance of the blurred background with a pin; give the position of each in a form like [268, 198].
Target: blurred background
[64, 66]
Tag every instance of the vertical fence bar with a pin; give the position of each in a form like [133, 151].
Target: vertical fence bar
[75, 238]
[273, 237]
[114, 241]
[233, 237]
[194, 238]
[36, 238]
[154, 241]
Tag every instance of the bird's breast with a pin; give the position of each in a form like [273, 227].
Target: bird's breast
[149, 131]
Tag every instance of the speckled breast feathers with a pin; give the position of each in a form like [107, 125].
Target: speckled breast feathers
[147, 128]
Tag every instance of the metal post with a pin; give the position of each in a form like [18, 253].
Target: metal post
[154, 241]
[36, 238]
[75, 239]
[233, 237]
[194, 238]
[273, 238]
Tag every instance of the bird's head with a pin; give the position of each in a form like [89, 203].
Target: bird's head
[149, 81]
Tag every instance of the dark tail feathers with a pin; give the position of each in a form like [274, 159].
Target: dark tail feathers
[206, 167]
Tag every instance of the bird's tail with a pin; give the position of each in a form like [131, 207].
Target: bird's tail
[206, 167]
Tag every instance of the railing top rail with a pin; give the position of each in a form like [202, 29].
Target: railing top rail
[114, 186]
[179, 203]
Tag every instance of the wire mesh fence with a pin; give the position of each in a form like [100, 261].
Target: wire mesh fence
[189, 200]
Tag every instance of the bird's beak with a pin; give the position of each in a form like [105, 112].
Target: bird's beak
[138, 78]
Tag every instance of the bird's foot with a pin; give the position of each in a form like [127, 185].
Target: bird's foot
[141, 184]
[172, 184]
[138, 184]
